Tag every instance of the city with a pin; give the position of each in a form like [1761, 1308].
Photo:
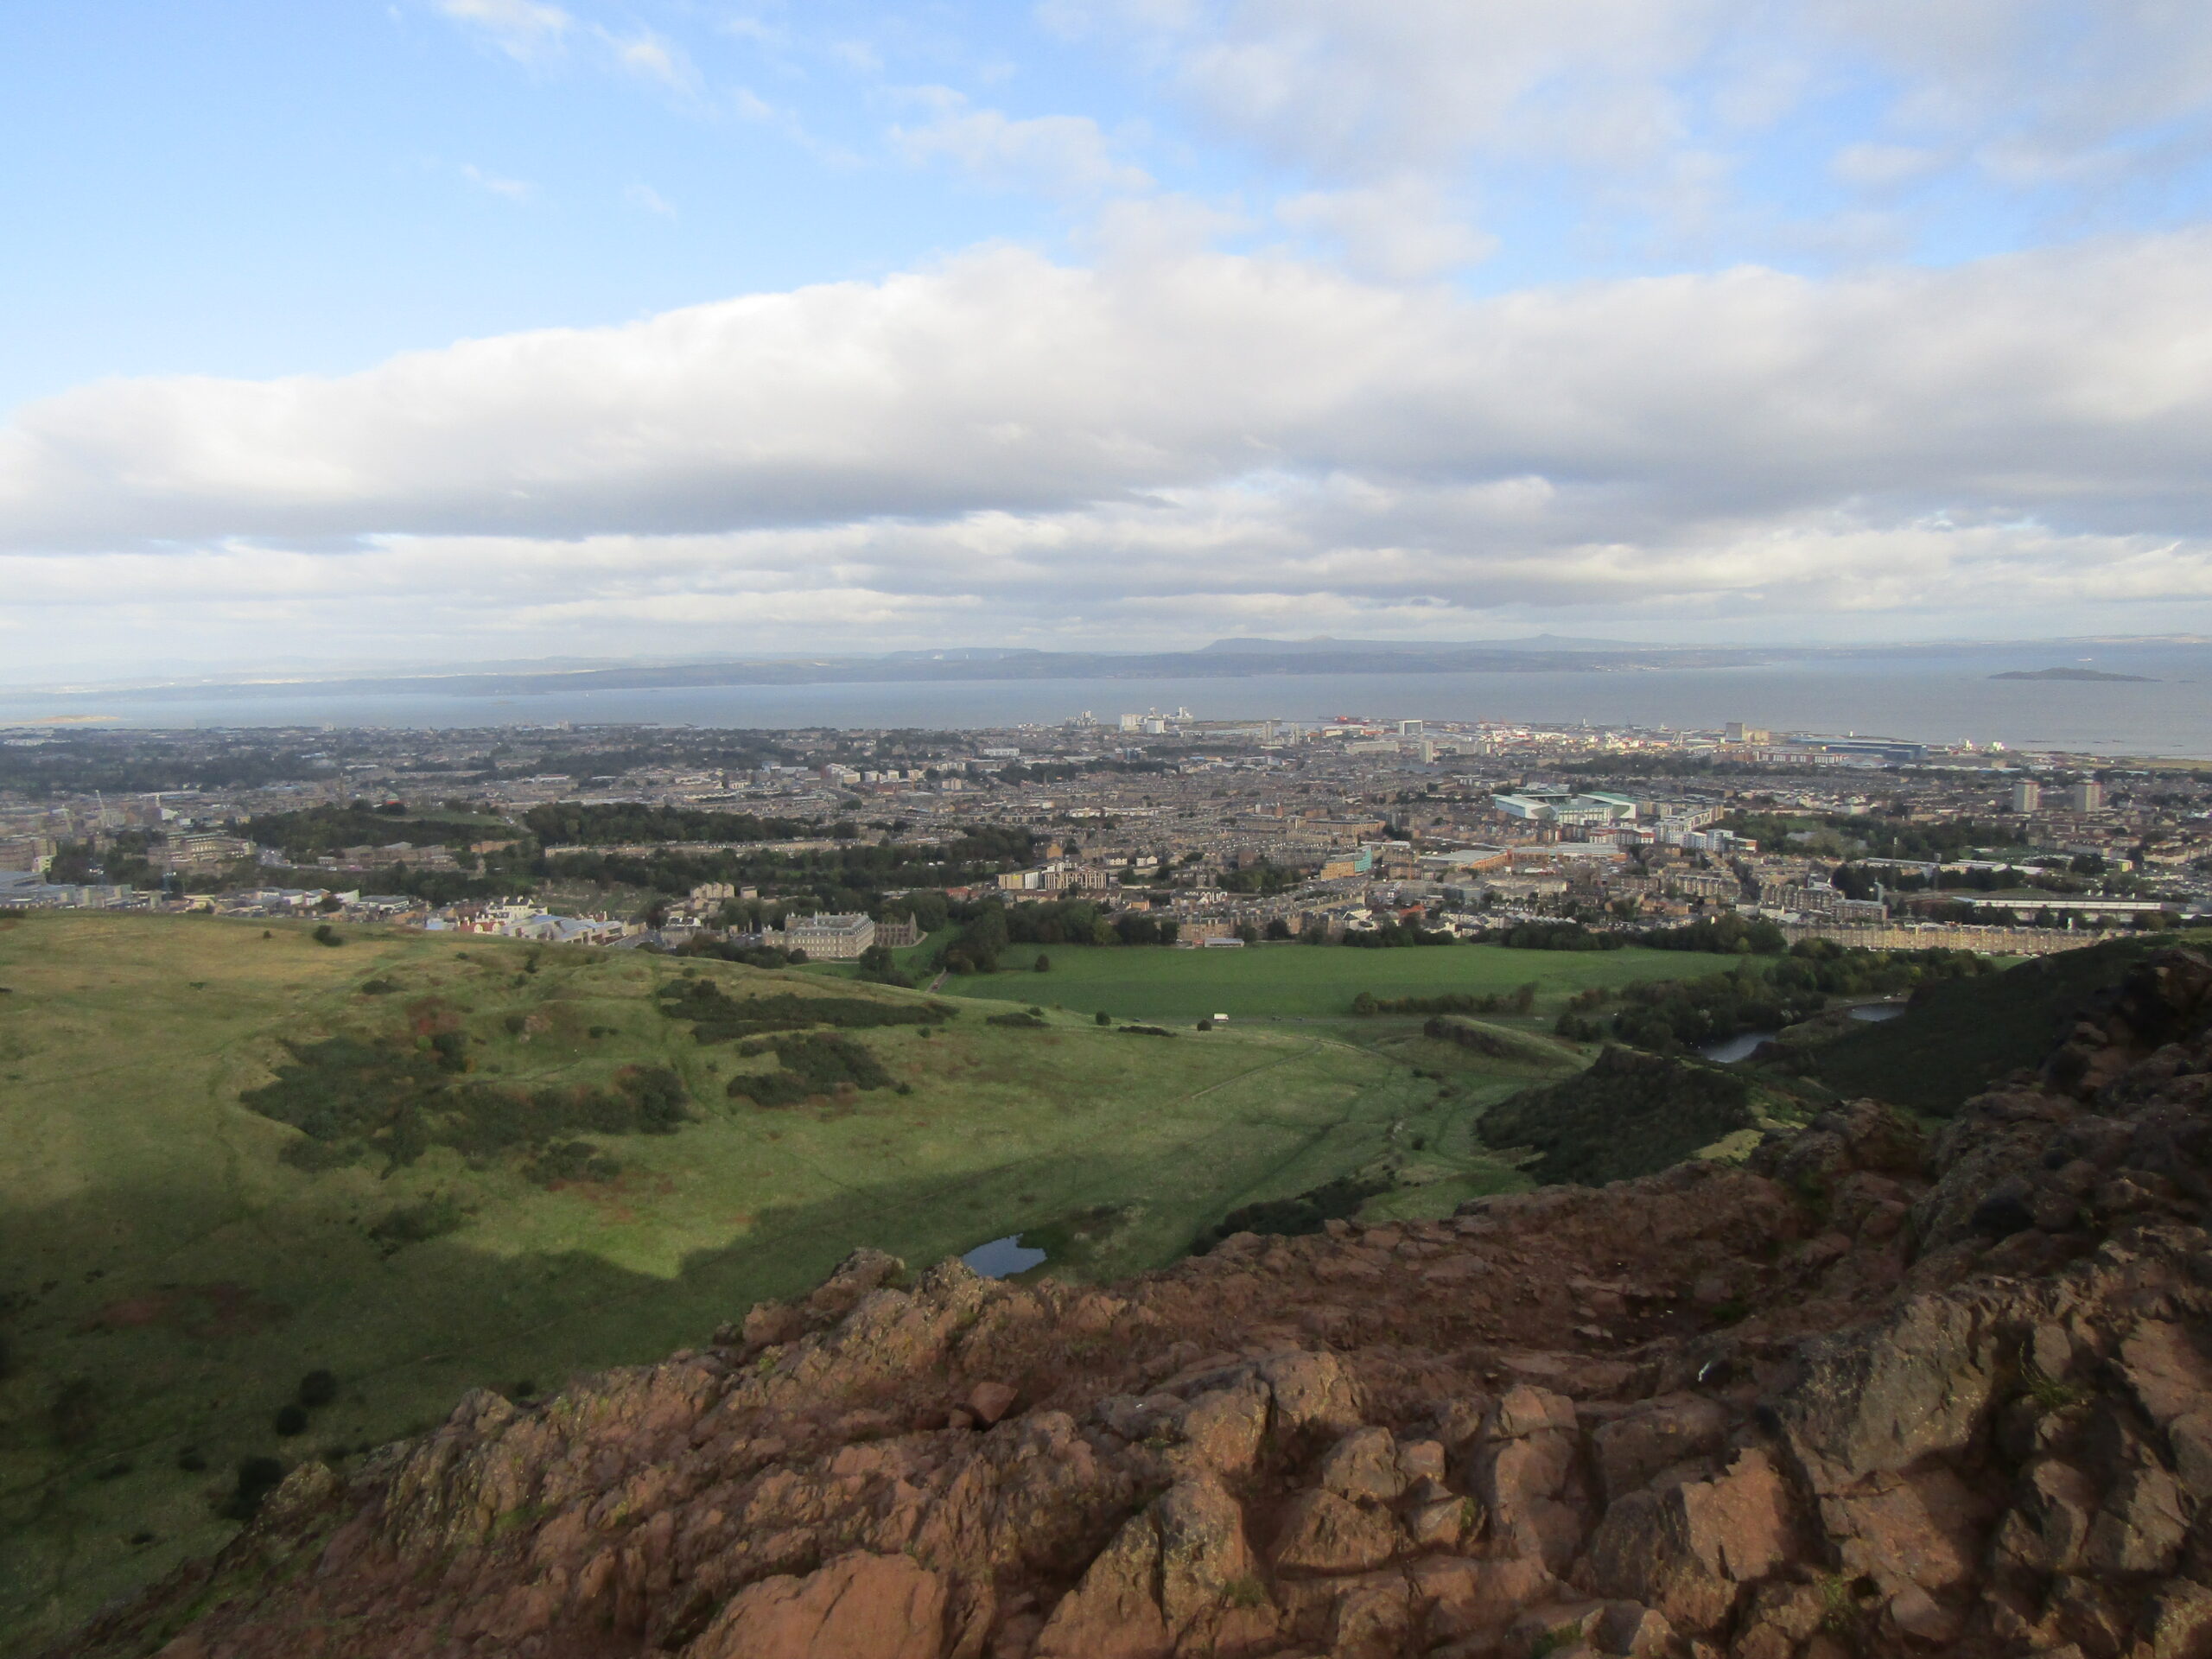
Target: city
[1220, 833]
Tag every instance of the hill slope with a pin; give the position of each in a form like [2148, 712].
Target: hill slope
[1868, 1396]
[234, 1156]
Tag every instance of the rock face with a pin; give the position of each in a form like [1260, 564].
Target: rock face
[1864, 1396]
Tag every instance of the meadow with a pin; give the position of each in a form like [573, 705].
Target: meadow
[1304, 981]
[176, 1255]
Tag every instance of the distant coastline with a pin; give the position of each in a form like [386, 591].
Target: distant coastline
[2076, 674]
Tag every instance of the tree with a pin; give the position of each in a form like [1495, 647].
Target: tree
[1043, 962]
[1104, 1018]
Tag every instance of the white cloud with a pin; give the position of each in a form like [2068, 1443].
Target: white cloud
[645, 196]
[513, 189]
[648, 57]
[1063, 155]
[1883, 167]
[524, 29]
[1185, 434]
[1399, 230]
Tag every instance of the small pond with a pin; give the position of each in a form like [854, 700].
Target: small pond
[1742, 1047]
[1003, 1258]
[1736, 1048]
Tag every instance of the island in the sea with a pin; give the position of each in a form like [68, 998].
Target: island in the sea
[2072, 674]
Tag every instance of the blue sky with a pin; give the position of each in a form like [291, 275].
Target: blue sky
[452, 329]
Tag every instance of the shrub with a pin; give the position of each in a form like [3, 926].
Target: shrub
[257, 1478]
[380, 987]
[1146, 1031]
[1044, 963]
[716, 1018]
[326, 934]
[571, 1160]
[74, 1412]
[417, 1224]
[809, 1065]
[1104, 1018]
[317, 1389]
[291, 1419]
[1023, 1021]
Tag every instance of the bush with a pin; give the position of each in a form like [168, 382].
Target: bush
[326, 934]
[570, 1161]
[257, 1478]
[716, 1018]
[74, 1412]
[814, 1063]
[417, 1224]
[291, 1420]
[317, 1389]
[1043, 964]
[1308, 1212]
[1104, 1018]
[380, 987]
[1021, 1021]
[1146, 1031]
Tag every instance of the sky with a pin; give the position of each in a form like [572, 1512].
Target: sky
[449, 331]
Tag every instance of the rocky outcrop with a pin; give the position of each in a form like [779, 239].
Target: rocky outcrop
[1866, 1396]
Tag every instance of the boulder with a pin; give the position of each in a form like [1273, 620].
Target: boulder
[1324, 1532]
[1686, 1551]
[858, 1607]
[1176, 1579]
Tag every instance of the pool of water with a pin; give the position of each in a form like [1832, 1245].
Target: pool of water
[1003, 1258]
[1877, 1011]
[1736, 1048]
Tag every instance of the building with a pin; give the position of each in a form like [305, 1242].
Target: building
[829, 938]
[2085, 797]
[897, 933]
[2027, 796]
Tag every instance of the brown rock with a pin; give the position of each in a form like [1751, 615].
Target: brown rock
[856, 1607]
[1325, 1533]
[1177, 1578]
[1459, 1598]
[2049, 1527]
[2142, 1524]
[1686, 1551]
[1630, 1449]
[1920, 1617]
[989, 1402]
[1363, 1466]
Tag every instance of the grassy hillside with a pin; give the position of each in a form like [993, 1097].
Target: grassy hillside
[235, 1156]
[1957, 1038]
[1632, 1114]
[1305, 981]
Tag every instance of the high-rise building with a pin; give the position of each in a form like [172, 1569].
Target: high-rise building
[2088, 796]
[2027, 796]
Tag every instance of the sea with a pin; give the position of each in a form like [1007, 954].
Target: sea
[1928, 696]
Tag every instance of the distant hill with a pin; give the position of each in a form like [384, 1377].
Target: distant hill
[2074, 674]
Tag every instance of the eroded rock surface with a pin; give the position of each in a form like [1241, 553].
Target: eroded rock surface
[1866, 1396]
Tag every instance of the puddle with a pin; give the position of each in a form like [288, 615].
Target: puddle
[1003, 1258]
[1736, 1048]
[1876, 1012]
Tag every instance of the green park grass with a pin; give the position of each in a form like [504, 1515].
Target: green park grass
[1304, 981]
[166, 1269]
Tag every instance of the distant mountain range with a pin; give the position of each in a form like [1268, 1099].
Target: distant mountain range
[1234, 658]
[2074, 674]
